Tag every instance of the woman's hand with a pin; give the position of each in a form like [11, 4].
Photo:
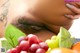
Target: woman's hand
[75, 10]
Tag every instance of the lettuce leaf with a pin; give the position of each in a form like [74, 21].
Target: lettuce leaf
[65, 38]
[11, 35]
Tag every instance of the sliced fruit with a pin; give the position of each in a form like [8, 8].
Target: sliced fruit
[61, 50]
[76, 46]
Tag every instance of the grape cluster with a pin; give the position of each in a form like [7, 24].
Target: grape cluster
[29, 44]
[53, 42]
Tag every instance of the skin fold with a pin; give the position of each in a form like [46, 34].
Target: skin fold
[48, 14]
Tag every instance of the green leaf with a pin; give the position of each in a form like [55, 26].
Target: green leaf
[64, 33]
[65, 39]
[66, 43]
[5, 43]
[12, 34]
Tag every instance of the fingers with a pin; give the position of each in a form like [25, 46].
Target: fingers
[76, 16]
[72, 16]
[78, 3]
[69, 16]
[73, 8]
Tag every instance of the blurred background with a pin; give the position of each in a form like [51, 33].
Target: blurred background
[75, 29]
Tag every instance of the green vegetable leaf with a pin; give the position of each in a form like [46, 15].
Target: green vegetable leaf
[5, 43]
[64, 33]
[65, 39]
[12, 34]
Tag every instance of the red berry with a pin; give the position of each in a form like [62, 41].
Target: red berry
[40, 50]
[44, 45]
[9, 51]
[13, 50]
[22, 38]
[23, 52]
[40, 41]
[18, 49]
[33, 39]
[24, 45]
[34, 47]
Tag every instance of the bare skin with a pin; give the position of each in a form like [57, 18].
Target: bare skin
[44, 17]
[46, 13]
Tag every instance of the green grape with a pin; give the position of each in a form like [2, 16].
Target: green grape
[56, 43]
[52, 43]
[63, 39]
[47, 40]
[53, 37]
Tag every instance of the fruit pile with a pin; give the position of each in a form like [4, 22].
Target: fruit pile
[29, 44]
[62, 40]
[61, 43]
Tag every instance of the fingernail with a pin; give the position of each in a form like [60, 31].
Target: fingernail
[69, 6]
[67, 16]
[77, 17]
